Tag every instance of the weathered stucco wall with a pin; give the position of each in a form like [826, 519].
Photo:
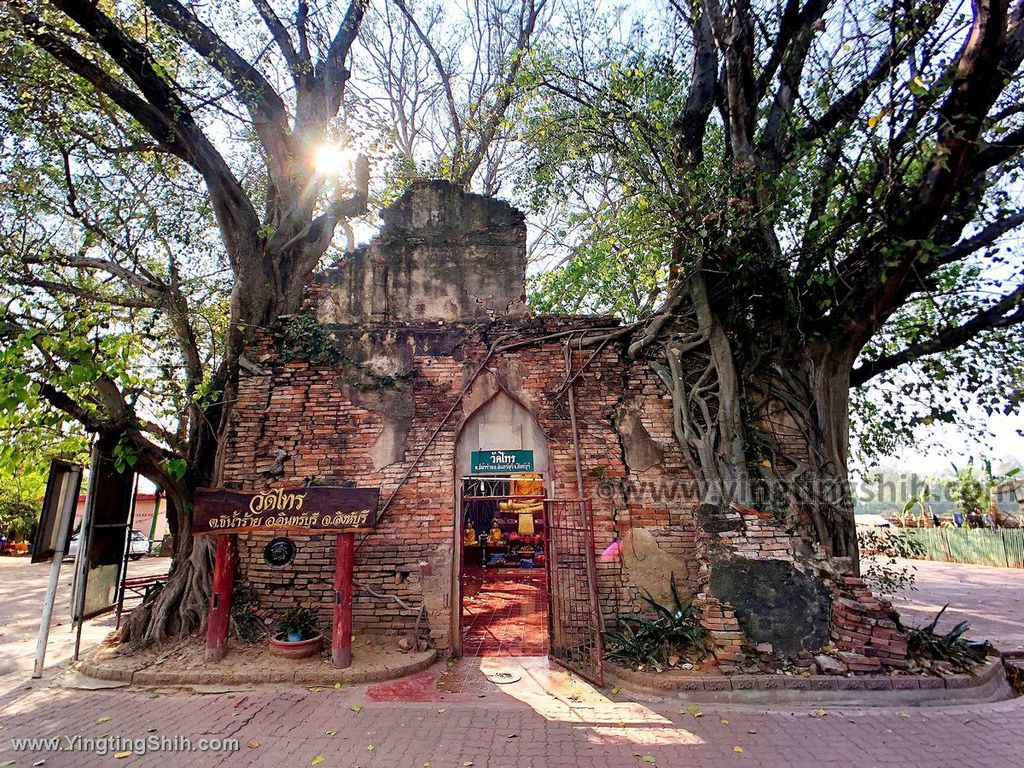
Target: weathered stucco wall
[441, 255]
[296, 422]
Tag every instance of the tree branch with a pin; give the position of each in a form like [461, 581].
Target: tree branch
[1006, 312]
[985, 237]
[331, 72]
[234, 210]
[692, 123]
[844, 109]
[297, 64]
[268, 112]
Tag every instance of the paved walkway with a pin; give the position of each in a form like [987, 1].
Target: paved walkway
[490, 726]
[22, 591]
[452, 716]
[990, 600]
[505, 612]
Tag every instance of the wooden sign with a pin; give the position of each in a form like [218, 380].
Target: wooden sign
[317, 508]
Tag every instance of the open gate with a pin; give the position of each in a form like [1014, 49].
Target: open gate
[574, 618]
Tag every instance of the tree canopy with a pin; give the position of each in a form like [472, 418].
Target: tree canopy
[806, 196]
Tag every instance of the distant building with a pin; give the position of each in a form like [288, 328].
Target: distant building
[150, 517]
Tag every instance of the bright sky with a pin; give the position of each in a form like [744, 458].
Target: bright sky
[946, 443]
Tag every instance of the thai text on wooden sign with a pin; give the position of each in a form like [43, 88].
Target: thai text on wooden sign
[317, 508]
[490, 462]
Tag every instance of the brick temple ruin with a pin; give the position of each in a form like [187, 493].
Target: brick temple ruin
[415, 355]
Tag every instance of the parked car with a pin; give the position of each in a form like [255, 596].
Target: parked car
[139, 547]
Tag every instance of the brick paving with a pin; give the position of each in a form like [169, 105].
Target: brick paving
[451, 716]
[490, 726]
[504, 612]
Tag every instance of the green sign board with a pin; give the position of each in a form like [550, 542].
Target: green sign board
[493, 462]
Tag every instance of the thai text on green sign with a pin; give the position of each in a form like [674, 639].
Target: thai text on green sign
[492, 462]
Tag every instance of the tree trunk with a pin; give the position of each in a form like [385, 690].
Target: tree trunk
[181, 606]
[762, 416]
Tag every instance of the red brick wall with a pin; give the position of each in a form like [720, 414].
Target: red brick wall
[298, 408]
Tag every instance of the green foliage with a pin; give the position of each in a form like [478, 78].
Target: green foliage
[645, 642]
[306, 339]
[927, 643]
[604, 140]
[110, 262]
[973, 488]
[884, 573]
[245, 619]
[963, 386]
[298, 620]
[18, 514]
[176, 468]
[125, 455]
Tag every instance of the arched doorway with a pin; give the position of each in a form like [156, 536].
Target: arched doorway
[502, 475]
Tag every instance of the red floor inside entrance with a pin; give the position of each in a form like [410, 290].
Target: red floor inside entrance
[504, 612]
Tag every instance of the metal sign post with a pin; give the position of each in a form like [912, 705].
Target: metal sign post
[69, 478]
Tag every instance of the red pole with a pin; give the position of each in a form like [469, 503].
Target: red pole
[341, 636]
[220, 600]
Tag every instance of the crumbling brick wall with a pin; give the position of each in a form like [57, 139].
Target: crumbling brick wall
[295, 422]
[372, 383]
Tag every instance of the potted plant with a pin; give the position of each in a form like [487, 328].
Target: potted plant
[297, 635]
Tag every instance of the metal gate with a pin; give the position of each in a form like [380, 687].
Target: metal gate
[574, 619]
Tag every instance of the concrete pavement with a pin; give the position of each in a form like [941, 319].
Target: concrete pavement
[990, 600]
[22, 591]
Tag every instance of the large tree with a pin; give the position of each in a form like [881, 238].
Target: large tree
[827, 189]
[164, 97]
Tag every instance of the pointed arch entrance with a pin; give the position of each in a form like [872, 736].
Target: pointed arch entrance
[502, 476]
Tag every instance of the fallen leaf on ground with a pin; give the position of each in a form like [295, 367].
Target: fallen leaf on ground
[102, 720]
[905, 715]
[819, 713]
[254, 745]
[331, 733]
[693, 709]
[318, 759]
[647, 759]
[440, 711]
[356, 708]
[369, 747]
[337, 685]
[616, 689]
[316, 689]
[723, 721]
[737, 749]
[122, 755]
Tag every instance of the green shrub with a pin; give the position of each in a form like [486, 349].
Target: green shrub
[301, 621]
[642, 641]
[925, 643]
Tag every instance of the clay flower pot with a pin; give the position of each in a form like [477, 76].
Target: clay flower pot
[281, 646]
